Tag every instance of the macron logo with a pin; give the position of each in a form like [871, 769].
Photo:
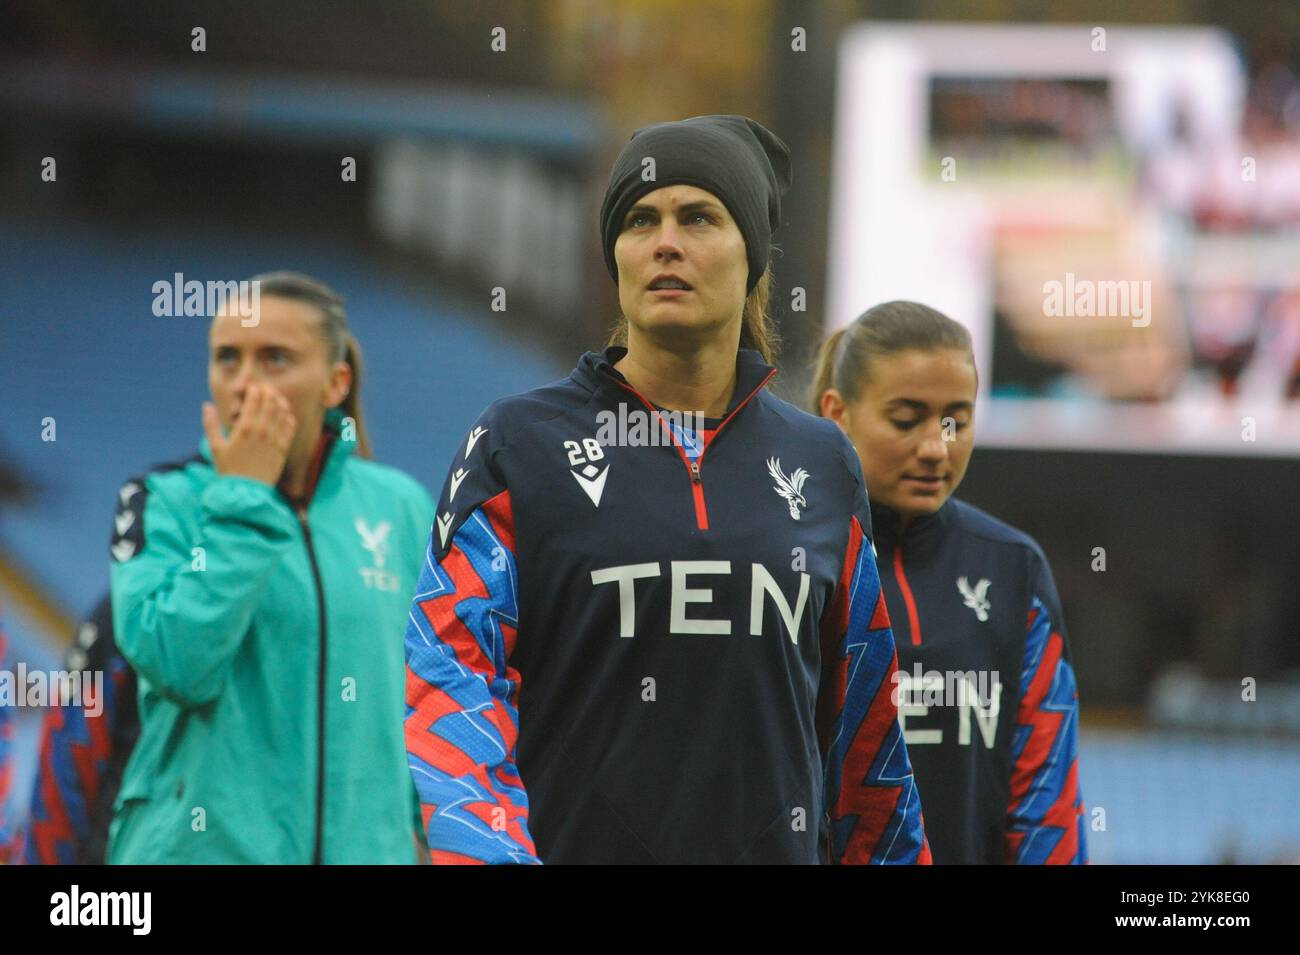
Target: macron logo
[457, 476]
[474, 435]
[592, 480]
[444, 525]
[103, 908]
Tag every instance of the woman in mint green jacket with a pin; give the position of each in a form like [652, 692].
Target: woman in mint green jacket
[260, 591]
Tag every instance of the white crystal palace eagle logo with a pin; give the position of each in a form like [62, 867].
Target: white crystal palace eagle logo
[790, 488]
[977, 597]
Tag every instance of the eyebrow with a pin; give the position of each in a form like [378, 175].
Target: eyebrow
[232, 347]
[702, 204]
[922, 406]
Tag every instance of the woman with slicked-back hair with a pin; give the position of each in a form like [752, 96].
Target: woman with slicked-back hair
[256, 590]
[986, 690]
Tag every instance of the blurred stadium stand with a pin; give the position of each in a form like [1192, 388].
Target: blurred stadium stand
[1190, 798]
[130, 384]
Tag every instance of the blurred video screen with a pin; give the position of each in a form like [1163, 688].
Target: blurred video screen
[1120, 229]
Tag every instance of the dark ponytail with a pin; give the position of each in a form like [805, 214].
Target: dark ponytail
[351, 404]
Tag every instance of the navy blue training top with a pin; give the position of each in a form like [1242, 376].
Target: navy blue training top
[658, 643]
[987, 698]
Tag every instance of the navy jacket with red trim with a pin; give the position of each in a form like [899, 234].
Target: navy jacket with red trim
[976, 612]
[655, 644]
[84, 751]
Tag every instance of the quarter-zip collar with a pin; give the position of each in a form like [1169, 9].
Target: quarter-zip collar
[898, 549]
[596, 368]
[596, 371]
[922, 538]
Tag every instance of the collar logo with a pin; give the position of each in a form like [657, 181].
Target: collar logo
[790, 488]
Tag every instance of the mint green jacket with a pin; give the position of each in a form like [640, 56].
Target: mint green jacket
[227, 602]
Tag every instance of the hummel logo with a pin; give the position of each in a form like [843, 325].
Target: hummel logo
[790, 488]
[457, 476]
[474, 435]
[976, 599]
[444, 525]
[592, 480]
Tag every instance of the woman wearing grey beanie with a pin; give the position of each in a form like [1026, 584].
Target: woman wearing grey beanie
[645, 659]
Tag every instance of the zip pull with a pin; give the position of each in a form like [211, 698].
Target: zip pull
[695, 472]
